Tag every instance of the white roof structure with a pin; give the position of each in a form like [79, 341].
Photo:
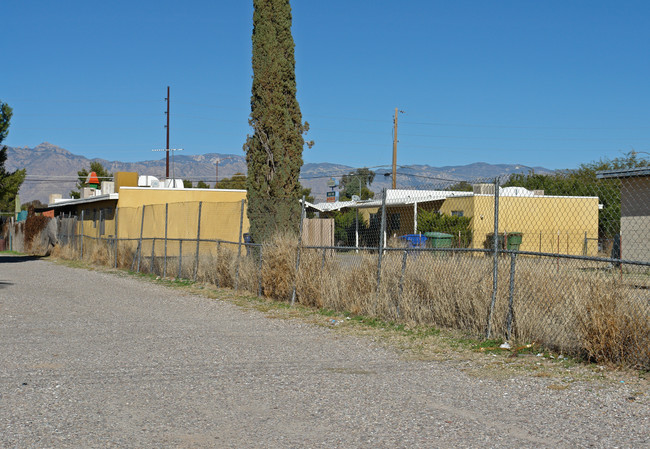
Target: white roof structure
[396, 197]
[60, 202]
[400, 197]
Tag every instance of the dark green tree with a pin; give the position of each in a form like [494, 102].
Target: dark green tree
[202, 185]
[357, 182]
[35, 204]
[274, 151]
[238, 181]
[187, 184]
[458, 227]
[462, 186]
[98, 168]
[10, 182]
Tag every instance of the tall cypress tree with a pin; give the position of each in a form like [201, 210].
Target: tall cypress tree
[10, 182]
[274, 151]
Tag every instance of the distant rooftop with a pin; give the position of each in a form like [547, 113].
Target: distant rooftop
[624, 173]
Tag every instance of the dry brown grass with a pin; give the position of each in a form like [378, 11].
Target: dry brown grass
[219, 268]
[613, 329]
[577, 311]
[279, 267]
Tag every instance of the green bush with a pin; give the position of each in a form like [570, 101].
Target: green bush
[433, 221]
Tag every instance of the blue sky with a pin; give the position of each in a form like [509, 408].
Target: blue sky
[539, 83]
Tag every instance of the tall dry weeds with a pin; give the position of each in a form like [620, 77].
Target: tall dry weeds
[279, 266]
[577, 311]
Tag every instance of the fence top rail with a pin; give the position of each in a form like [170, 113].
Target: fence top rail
[576, 257]
[416, 249]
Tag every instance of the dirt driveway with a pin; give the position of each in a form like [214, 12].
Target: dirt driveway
[94, 359]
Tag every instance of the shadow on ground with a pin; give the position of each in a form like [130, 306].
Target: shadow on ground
[17, 259]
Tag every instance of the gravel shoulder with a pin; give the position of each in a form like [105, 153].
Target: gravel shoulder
[96, 359]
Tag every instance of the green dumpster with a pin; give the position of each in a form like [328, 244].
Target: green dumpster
[439, 239]
[513, 241]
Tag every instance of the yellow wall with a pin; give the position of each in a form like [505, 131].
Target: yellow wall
[91, 218]
[137, 196]
[125, 179]
[220, 213]
[540, 219]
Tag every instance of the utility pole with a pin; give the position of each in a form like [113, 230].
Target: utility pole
[216, 181]
[167, 146]
[395, 150]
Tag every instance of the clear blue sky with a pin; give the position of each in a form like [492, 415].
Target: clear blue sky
[550, 83]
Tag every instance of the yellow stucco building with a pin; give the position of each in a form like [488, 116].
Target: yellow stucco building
[553, 224]
[133, 211]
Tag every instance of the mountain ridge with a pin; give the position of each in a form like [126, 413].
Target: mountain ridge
[47, 161]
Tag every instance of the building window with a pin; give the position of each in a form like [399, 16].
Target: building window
[456, 213]
[393, 222]
[102, 220]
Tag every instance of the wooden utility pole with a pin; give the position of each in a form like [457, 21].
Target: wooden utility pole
[216, 181]
[167, 146]
[395, 150]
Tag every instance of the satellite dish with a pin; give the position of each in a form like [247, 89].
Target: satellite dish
[356, 198]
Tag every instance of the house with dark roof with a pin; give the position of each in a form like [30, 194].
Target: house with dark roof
[635, 211]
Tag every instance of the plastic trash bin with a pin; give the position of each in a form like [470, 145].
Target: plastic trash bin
[414, 240]
[248, 239]
[513, 241]
[439, 239]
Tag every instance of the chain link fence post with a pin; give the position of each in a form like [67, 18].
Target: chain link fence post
[139, 251]
[511, 310]
[81, 237]
[241, 230]
[115, 243]
[382, 240]
[295, 279]
[164, 273]
[217, 276]
[495, 268]
[153, 256]
[198, 243]
[401, 282]
[180, 259]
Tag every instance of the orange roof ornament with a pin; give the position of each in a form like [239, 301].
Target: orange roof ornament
[92, 179]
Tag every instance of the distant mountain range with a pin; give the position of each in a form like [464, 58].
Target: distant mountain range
[52, 169]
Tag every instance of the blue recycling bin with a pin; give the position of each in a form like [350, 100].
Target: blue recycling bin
[414, 240]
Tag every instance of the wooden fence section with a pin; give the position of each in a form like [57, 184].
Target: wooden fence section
[318, 232]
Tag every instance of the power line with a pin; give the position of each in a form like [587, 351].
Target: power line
[474, 125]
[585, 139]
[74, 114]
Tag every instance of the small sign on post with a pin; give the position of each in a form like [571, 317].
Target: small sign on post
[331, 197]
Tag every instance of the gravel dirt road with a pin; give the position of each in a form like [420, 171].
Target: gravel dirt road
[95, 360]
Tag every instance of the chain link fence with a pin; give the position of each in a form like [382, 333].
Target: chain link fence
[499, 261]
